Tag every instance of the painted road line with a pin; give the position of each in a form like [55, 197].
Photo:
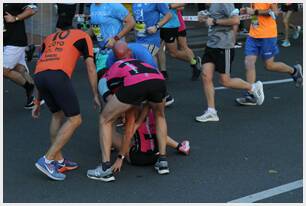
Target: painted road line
[270, 192]
[266, 82]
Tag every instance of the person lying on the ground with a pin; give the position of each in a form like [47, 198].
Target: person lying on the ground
[144, 149]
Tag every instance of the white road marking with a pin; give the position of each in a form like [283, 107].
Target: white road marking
[266, 82]
[269, 193]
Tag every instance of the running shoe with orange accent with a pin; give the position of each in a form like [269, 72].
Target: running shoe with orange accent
[67, 165]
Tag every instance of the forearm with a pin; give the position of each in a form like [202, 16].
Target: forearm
[228, 22]
[28, 12]
[128, 26]
[92, 76]
[128, 133]
[165, 19]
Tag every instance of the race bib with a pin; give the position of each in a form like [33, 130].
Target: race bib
[254, 21]
[97, 32]
[140, 28]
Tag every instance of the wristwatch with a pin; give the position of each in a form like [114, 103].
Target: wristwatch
[157, 26]
[215, 21]
[116, 38]
[16, 18]
[120, 156]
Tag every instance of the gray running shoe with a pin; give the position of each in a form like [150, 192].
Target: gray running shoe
[196, 70]
[162, 167]
[247, 100]
[208, 117]
[100, 174]
[298, 76]
[296, 33]
[258, 92]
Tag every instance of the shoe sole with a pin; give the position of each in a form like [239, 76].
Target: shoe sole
[47, 173]
[162, 172]
[169, 103]
[245, 104]
[210, 120]
[109, 179]
[65, 169]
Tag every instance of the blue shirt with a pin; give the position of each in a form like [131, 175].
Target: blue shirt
[138, 51]
[107, 20]
[147, 15]
[174, 21]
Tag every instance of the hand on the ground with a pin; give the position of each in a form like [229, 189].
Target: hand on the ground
[117, 165]
[36, 111]
[9, 18]
[152, 29]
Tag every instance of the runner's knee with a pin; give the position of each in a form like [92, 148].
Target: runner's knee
[76, 120]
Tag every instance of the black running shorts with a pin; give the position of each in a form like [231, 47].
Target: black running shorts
[182, 33]
[151, 90]
[168, 34]
[56, 89]
[221, 58]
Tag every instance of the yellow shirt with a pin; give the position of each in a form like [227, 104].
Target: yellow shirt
[262, 26]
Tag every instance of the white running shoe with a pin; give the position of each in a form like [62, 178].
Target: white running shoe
[258, 92]
[208, 117]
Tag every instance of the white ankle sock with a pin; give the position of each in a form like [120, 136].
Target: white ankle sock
[212, 110]
[60, 161]
[47, 161]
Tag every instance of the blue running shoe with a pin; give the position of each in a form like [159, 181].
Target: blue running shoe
[49, 169]
[67, 165]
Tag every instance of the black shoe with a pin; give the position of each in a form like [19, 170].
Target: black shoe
[29, 52]
[169, 100]
[196, 69]
[165, 74]
[297, 76]
[30, 103]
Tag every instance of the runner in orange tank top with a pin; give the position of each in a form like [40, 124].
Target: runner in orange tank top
[60, 53]
[262, 42]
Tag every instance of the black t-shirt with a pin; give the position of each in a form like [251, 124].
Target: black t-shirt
[15, 34]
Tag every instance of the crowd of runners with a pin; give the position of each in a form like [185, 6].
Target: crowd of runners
[124, 50]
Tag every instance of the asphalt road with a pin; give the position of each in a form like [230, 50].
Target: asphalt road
[250, 150]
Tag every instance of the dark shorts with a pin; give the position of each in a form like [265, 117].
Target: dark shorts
[151, 90]
[182, 33]
[221, 58]
[291, 7]
[56, 89]
[141, 158]
[66, 14]
[168, 34]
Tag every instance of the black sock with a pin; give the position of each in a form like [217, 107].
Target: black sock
[29, 88]
[106, 165]
[178, 146]
[162, 158]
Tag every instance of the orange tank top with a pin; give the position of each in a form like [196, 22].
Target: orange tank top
[61, 51]
[262, 26]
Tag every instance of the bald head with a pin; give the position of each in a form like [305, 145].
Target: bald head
[121, 50]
